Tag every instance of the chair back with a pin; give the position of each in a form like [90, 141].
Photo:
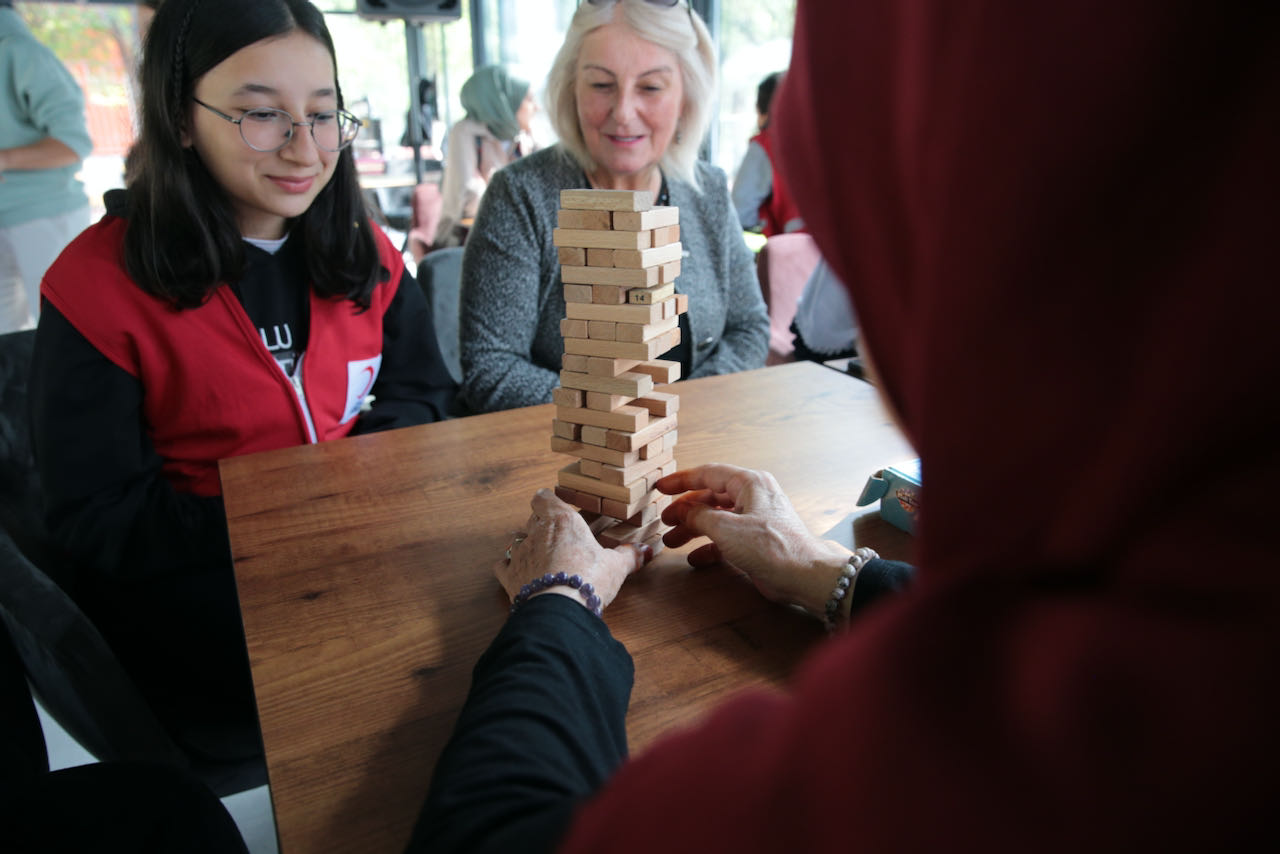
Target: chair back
[73, 670]
[440, 277]
[21, 499]
[783, 266]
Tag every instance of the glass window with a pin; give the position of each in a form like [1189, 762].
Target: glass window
[755, 40]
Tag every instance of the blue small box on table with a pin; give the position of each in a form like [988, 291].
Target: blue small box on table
[897, 488]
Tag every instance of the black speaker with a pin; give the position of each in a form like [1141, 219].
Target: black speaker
[417, 11]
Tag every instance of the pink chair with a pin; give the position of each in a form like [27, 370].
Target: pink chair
[783, 266]
[426, 206]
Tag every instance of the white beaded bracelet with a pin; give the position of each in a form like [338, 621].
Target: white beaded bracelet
[844, 585]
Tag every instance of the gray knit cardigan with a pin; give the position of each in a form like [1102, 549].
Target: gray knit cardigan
[512, 298]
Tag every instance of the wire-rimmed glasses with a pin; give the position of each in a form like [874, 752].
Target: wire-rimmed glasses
[267, 129]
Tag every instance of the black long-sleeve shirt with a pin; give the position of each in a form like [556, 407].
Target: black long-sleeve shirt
[544, 726]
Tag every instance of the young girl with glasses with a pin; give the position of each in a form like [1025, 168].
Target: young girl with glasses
[234, 299]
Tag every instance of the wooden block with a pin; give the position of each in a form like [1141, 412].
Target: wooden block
[668, 308]
[565, 430]
[668, 272]
[648, 296]
[646, 220]
[667, 235]
[581, 500]
[586, 451]
[682, 303]
[566, 396]
[647, 258]
[602, 330]
[571, 477]
[658, 474]
[618, 313]
[577, 293]
[642, 332]
[606, 200]
[629, 276]
[599, 257]
[587, 238]
[602, 367]
[652, 511]
[660, 403]
[570, 328]
[571, 255]
[571, 362]
[593, 435]
[662, 370]
[606, 402]
[620, 510]
[594, 220]
[591, 468]
[630, 384]
[649, 451]
[669, 441]
[621, 440]
[607, 294]
[623, 421]
[626, 474]
[622, 349]
[655, 543]
[623, 533]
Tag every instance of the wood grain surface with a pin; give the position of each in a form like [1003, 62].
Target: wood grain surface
[365, 575]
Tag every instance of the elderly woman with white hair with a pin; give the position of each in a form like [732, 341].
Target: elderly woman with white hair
[629, 96]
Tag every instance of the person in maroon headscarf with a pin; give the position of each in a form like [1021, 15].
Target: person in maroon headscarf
[1057, 222]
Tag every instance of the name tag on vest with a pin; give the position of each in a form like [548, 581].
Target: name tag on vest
[361, 375]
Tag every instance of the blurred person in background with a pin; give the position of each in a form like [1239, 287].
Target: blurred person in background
[43, 140]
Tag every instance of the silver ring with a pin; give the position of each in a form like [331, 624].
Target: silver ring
[519, 538]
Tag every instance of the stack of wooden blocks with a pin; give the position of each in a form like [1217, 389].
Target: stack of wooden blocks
[619, 258]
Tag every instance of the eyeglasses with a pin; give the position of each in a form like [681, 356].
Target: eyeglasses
[667, 3]
[267, 129]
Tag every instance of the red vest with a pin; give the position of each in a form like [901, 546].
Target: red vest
[779, 209]
[211, 389]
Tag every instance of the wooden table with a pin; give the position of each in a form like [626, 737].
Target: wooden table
[364, 570]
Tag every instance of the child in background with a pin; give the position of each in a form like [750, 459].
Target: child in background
[759, 196]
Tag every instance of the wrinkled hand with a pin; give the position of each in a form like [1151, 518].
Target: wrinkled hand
[556, 539]
[753, 528]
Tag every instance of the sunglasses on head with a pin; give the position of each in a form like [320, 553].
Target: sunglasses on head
[666, 3]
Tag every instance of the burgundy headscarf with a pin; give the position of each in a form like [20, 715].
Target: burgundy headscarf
[1060, 223]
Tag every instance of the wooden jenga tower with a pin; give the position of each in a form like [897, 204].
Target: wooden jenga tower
[619, 258]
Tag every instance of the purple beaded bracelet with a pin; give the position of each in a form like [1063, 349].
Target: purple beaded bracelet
[560, 579]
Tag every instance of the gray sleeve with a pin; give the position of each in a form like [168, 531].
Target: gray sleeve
[744, 342]
[752, 185]
[506, 269]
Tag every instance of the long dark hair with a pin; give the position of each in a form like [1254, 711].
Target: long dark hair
[182, 240]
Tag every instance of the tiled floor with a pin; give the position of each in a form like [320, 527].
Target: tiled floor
[251, 810]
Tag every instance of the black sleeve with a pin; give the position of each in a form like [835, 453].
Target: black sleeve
[880, 578]
[106, 502]
[543, 727]
[414, 385]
